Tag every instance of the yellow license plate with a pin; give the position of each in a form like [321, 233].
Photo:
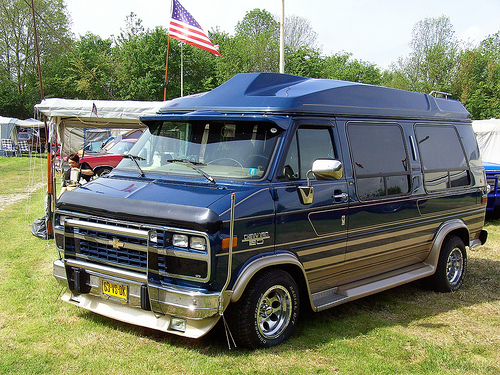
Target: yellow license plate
[114, 290]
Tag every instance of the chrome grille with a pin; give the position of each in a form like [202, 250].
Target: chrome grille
[125, 245]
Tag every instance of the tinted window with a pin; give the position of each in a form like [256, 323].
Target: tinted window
[380, 160]
[470, 143]
[443, 159]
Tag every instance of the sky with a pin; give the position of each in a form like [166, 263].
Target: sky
[376, 31]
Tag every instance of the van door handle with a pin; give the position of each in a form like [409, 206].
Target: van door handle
[340, 196]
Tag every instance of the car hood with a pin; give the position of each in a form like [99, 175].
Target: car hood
[152, 201]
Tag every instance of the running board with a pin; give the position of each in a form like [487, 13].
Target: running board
[349, 292]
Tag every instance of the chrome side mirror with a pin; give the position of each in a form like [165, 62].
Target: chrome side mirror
[327, 169]
[322, 169]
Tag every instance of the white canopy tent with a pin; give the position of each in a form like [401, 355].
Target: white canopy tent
[77, 122]
[69, 121]
[29, 124]
[488, 139]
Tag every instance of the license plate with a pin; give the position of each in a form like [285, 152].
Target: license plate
[115, 291]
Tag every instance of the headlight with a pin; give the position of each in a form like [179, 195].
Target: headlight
[180, 240]
[197, 243]
[62, 218]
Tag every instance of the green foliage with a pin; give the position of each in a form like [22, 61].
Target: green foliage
[478, 79]
[18, 63]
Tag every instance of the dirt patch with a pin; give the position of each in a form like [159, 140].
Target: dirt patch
[8, 199]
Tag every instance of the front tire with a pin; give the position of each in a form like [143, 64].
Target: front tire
[267, 312]
[103, 171]
[452, 266]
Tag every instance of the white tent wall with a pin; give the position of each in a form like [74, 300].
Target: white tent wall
[70, 117]
[488, 139]
[7, 124]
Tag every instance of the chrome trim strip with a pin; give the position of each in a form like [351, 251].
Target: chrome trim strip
[111, 271]
[107, 228]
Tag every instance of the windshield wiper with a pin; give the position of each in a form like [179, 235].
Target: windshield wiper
[193, 164]
[134, 159]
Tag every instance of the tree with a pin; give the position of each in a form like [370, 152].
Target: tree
[299, 33]
[433, 60]
[258, 35]
[478, 79]
[18, 68]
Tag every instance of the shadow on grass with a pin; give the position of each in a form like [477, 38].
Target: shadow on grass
[400, 306]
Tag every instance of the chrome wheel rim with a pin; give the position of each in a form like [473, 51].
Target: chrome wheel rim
[454, 266]
[274, 312]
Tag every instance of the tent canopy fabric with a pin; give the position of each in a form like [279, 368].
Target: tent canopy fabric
[71, 119]
[110, 113]
[488, 139]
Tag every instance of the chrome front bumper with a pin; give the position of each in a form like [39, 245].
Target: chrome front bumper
[200, 310]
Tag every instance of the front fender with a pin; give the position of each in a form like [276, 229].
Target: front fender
[274, 260]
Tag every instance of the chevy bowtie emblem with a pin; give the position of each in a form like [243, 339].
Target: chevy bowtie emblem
[115, 242]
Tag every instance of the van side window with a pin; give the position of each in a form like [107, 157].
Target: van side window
[443, 159]
[308, 144]
[380, 160]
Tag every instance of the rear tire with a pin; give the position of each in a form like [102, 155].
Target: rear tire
[267, 312]
[452, 266]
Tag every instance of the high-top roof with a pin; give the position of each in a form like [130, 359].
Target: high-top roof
[287, 94]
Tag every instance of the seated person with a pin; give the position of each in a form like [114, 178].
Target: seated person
[76, 173]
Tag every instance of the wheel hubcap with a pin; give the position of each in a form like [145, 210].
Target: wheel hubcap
[275, 311]
[454, 266]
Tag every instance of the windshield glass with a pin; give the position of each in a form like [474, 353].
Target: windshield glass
[219, 149]
[121, 147]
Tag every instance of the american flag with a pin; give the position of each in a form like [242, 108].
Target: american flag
[94, 109]
[184, 27]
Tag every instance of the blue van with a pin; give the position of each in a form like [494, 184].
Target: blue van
[271, 193]
[493, 177]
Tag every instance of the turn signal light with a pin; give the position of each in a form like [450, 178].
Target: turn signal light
[225, 243]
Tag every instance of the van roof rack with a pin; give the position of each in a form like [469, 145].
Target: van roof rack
[435, 94]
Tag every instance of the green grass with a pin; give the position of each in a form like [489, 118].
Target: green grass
[407, 330]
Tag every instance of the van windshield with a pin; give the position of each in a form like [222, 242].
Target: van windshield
[238, 150]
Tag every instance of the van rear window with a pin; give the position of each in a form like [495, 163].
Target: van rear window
[443, 158]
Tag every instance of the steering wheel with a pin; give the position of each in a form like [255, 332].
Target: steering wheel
[215, 161]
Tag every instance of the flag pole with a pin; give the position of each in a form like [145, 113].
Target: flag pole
[182, 71]
[282, 38]
[166, 70]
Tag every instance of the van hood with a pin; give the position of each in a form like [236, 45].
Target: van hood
[153, 202]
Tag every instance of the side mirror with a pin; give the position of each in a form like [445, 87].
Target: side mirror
[322, 169]
[327, 169]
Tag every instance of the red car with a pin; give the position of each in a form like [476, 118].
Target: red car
[105, 160]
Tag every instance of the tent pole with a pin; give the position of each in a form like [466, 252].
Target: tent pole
[50, 186]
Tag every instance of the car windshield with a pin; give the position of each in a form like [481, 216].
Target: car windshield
[238, 150]
[121, 147]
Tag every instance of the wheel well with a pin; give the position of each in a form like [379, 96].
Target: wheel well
[461, 233]
[297, 274]
[98, 169]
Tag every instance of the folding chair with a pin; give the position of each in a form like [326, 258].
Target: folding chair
[24, 147]
[8, 147]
